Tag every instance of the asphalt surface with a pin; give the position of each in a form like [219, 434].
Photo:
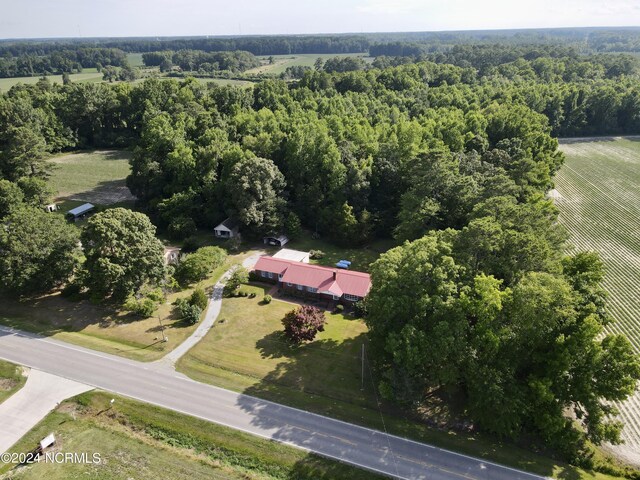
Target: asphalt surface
[349, 443]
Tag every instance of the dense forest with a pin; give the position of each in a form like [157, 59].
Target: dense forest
[454, 161]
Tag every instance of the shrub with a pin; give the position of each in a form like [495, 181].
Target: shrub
[339, 308]
[316, 254]
[303, 323]
[239, 276]
[71, 290]
[143, 307]
[155, 294]
[190, 313]
[190, 245]
[267, 299]
[360, 308]
[199, 298]
[196, 266]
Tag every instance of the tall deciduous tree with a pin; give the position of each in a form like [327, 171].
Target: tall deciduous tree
[122, 253]
[39, 251]
[255, 191]
[303, 323]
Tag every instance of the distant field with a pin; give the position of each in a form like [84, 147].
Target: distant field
[88, 75]
[135, 59]
[281, 62]
[96, 176]
[599, 201]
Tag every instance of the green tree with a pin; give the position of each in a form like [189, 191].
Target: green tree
[39, 251]
[197, 265]
[11, 198]
[254, 189]
[239, 276]
[122, 253]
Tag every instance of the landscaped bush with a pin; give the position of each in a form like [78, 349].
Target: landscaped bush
[239, 276]
[267, 299]
[339, 308]
[143, 307]
[303, 323]
[199, 298]
[196, 266]
[190, 313]
[316, 254]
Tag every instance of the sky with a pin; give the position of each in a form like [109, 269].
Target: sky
[118, 18]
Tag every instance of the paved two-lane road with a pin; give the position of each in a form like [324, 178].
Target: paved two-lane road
[352, 444]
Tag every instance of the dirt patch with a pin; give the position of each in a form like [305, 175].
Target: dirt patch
[7, 384]
[114, 192]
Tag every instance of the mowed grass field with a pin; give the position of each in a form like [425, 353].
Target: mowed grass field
[143, 442]
[93, 176]
[87, 75]
[599, 201]
[281, 62]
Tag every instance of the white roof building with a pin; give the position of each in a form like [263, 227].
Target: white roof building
[292, 255]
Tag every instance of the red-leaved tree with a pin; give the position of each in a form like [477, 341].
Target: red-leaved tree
[303, 323]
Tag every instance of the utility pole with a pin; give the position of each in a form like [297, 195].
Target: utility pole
[164, 338]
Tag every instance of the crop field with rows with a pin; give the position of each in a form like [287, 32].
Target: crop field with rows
[598, 194]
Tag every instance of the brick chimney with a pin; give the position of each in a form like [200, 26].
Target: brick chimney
[335, 274]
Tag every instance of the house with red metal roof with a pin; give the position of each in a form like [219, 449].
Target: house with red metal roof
[323, 283]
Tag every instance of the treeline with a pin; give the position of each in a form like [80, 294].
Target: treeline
[258, 45]
[59, 61]
[206, 62]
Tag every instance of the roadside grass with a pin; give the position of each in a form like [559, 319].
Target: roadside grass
[245, 352]
[88, 75]
[137, 440]
[105, 327]
[96, 176]
[281, 62]
[11, 379]
[361, 258]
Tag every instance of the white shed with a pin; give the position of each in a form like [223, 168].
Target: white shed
[292, 255]
[227, 229]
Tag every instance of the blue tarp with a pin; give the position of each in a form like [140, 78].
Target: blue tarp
[342, 265]
[346, 262]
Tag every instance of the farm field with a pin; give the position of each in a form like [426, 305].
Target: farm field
[281, 62]
[136, 440]
[598, 194]
[92, 176]
[88, 75]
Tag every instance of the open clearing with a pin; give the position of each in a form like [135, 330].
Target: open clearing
[136, 440]
[98, 176]
[281, 62]
[598, 194]
[88, 75]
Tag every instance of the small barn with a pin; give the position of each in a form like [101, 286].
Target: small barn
[52, 207]
[80, 212]
[227, 229]
[276, 241]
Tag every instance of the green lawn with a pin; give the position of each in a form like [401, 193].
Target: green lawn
[105, 328]
[88, 75]
[143, 442]
[281, 62]
[246, 352]
[135, 59]
[11, 379]
[93, 176]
